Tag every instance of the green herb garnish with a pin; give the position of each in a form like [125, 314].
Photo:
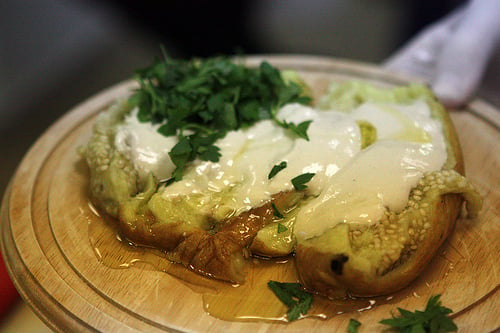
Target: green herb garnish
[353, 326]
[199, 101]
[300, 129]
[281, 228]
[293, 296]
[433, 319]
[300, 181]
[276, 212]
[277, 168]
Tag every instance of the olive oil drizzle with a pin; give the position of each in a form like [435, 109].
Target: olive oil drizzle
[249, 302]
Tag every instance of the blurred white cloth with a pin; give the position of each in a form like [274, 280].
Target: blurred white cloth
[452, 54]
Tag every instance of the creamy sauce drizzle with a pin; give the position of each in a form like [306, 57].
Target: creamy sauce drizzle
[409, 144]
[351, 185]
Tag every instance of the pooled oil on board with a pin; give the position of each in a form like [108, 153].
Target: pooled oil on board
[250, 301]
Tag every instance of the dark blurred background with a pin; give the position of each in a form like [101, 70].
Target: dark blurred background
[56, 53]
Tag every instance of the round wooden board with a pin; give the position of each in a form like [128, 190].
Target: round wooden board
[45, 234]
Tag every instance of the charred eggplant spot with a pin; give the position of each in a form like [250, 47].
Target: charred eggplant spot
[337, 263]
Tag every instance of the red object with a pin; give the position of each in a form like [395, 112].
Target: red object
[8, 293]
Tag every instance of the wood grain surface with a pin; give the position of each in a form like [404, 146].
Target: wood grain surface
[65, 260]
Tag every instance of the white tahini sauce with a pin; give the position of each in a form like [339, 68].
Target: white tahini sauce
[350, 186]
[147, 148]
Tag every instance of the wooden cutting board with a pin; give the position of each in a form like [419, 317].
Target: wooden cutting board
[67, 263]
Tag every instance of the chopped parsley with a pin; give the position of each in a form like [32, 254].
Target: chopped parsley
[281, 228]
[201, 100]
[300, 181]
[293, 296]
[300, 129]
[353, 326]
[276, 211]
[277, 168]
[434, 319]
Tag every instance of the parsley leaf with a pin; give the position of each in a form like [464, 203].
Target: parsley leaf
[293, 296]
[433, 319]
[206, 98]
[300, 129]
[277, 168]
[276, 211]
[180, 154]
[209, 153]
[281, 228]
[300, 181]
[353, 326]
